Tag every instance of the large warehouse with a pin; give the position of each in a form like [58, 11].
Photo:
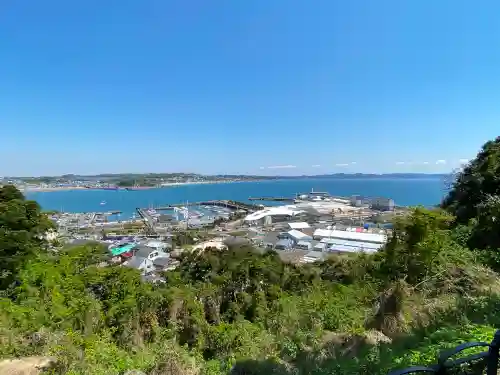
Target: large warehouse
[345, 241]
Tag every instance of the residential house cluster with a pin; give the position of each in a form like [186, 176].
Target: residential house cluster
[150, 258]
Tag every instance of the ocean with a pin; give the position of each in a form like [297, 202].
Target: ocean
[405, 192]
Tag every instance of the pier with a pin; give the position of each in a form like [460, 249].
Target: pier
[221, 203]
[148, 220]
[275, 199]
[109, 213]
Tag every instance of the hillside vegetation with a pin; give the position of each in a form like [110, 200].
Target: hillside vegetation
[239, 312]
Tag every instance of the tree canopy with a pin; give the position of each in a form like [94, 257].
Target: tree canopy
[22, 231]
[474, 200]
[479, 180]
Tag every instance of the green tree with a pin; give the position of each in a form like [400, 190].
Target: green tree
[22, 232]
[479, 180]
[475, 202]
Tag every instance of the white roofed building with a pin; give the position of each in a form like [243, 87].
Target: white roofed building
[296, 236]
[300, 225]
[272, 214]
[313, 256]
[304, 245]
[377, 238]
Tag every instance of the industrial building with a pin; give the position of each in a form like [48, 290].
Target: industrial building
[382, 204]
[379, 203]
[347, 241]
[319, 234]
[296, 236]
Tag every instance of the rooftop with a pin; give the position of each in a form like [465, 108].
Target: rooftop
[289, 210]
[161, 262]
[355, 236]
[298, 234]
[299, 225]
[135, 262]
[157, 244]
[122, 249]
[350, 249]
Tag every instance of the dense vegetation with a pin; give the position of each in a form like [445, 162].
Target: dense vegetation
[241, 312]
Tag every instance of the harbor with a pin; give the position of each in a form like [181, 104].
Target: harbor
[299, 225]
[301, 228]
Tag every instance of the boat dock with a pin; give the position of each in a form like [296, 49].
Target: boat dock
[275, 199]
[109, 213]
[221, 203]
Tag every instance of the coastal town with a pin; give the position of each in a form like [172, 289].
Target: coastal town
[128, 182]
[302, 229]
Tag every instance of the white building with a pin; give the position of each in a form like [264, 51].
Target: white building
[158, 245]
[382, 204]
[313, 256]
[304, 245]
[149, 253]
[272, 214]
[296, 236]
[143, 265]
[320, 234]
[299, 225]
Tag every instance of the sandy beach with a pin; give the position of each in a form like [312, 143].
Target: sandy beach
[165, 185]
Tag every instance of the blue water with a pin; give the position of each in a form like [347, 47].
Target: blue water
[405, 192]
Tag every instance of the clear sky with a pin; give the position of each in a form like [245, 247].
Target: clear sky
[237, 86]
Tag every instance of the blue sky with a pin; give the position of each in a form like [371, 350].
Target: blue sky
[226, 86]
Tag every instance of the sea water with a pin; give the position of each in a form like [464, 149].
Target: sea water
[405, 192]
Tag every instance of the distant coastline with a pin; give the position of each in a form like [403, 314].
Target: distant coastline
[139, 188]
[341, 176]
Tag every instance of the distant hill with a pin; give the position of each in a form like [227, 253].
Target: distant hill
[103, 177]
[383, 175]
[347, 176]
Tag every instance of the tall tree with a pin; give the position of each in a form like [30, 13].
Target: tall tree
[22, 232]
[478, 181]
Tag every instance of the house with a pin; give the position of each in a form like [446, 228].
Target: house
[320, 246]
[158, 245]
[150, 253]
[313, 256]
[296, 236]
[122, 249]
[304, 245]
[162, 263]
[284, 244]
[142, 264]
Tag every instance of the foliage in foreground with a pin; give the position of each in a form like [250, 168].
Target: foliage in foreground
[242, 312]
